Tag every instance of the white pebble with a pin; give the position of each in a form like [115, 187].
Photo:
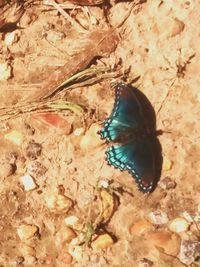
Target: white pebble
[158, 217]
[28, 182]
[15, 137]
[5, 71]
[11, 38]
[103, 184]
[26, 231]
[178, 225]
[71, 220]
[79, 131]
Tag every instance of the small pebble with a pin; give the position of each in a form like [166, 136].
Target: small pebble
[103, 184]
[167, 183]
[167, 164]
[12, 37]
[54, 36]
[5, 71]
[158, 217]
[71, 220]
[15, 137]
[65, 236]
[27, 250]
[33, 150]
[59, 203]
[169, 242]
[76, 252]
[178, 225]
[102, 242]
[189, 251]
[78, 240]
[79, 131]
[140, 227]
[28, 182]
[36, 169]
[26, 231]
[65, 257]
[30, 260]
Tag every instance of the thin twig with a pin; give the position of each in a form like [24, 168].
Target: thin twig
[66, 16]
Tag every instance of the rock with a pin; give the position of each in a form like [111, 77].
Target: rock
[178, 225]
[167, 164]
[158, 217]
[103, 184]
[167, 183]
[33, 150]
[27, 250]
[102, 242]
[59, 203]
[15, 137]
[79, 131]
[27, 231]
[30, 260]
[76, 252]
[65, 257]
[36, 169]
[140, 227]
[91, 139]
[189, 252]
[71, 220]
[5, 71]
[54, 36]
[169, 242]
[64, 236]
[6, 168]
[11, 37]
[28, 182]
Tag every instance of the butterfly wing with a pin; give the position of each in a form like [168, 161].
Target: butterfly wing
[138, 159]
[126, 115]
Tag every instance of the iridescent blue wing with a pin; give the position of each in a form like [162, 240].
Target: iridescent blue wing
[126, 116]
[138, 159]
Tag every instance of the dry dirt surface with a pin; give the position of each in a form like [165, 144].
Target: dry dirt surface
[61, 203]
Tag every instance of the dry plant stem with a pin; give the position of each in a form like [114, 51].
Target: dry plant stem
[86, 2]
[100, 43]
[66, 16]
[8, 113]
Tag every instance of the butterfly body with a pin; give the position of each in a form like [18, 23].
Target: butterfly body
[131, 136]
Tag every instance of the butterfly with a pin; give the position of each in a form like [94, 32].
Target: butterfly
[132, 137]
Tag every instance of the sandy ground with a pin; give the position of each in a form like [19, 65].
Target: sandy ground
[158, 49]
